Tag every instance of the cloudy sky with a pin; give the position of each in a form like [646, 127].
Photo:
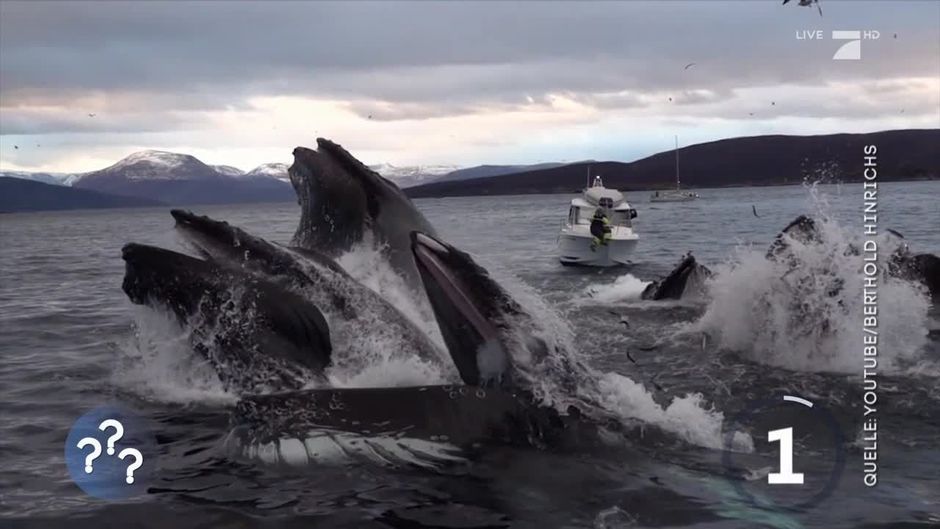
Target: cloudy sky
[460, 83]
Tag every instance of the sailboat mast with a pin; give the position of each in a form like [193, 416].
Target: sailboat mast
[677, 162]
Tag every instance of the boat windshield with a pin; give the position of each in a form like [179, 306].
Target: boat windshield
[577, 215]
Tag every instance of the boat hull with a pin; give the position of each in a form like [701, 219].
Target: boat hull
[575, 250]
[674, 197]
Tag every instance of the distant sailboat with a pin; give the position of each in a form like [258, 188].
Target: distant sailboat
[677, 195]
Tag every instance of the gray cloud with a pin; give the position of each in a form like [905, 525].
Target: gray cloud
[447, 52]
[159, 73]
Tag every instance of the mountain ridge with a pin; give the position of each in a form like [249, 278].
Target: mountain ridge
[18, 194]
[907, 154]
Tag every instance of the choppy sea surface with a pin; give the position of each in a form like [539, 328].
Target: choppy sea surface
[71, 341]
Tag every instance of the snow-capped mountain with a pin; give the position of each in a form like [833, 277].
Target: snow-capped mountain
[411, 175]
[59, 179]
[227, 170]
[269, 170]
[175, 178]
[153, 165]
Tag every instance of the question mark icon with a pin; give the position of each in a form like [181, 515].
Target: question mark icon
[138, 462]
[118, 433]
[95, 452]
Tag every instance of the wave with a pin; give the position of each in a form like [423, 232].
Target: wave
[686, 416]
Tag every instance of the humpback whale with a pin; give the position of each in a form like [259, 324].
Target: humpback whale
[255, 334]
[350, 306]
[687, 279]
[902, 263]
[425, 426]
[490, 339]
[689, 276]
[343, 201]
[291, 313]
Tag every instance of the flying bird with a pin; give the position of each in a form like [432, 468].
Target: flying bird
[91, 115]
[687, 66]
[370, 116]
[807, 3]
[17, 147]
[670, 99]
[773, 104]
[754, 209]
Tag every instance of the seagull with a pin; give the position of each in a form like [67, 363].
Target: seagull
[750, 113]
[754, 209]
[773, 104]
[91, 115]
[17, 147]
[687, 66]
[670, 99]
[370, 116]
[807, 3]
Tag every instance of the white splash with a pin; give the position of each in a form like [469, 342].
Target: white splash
[367, 263]
[685, 416]
[625, 288]
[809, 317]
[158, 362]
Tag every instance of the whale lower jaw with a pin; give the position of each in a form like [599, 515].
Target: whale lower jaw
[335, 448]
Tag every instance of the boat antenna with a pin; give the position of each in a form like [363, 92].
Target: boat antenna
[588, 177]
[677, 162]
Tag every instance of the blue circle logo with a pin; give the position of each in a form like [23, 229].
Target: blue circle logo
[110, 453]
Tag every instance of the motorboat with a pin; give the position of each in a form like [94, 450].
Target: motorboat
[578, 246]
[677, 194]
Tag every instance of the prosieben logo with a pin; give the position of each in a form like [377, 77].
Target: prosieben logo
[851, 48]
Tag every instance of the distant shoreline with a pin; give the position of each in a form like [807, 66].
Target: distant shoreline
[651, 189]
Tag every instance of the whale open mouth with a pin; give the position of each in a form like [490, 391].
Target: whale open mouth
[466, 305]
[254, 332]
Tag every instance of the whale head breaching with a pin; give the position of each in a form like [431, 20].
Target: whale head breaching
[343, 201]
[261, 311]
[256, 335]
[364, 325]
[490, 338]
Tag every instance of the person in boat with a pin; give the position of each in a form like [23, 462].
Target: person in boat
[600, 229]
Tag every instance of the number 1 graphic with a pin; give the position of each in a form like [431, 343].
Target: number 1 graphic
[786, 475]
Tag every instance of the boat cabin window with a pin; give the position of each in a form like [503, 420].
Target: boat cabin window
[606, 202]
[623, 217]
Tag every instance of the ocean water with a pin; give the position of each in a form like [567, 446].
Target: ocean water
[679, 372]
